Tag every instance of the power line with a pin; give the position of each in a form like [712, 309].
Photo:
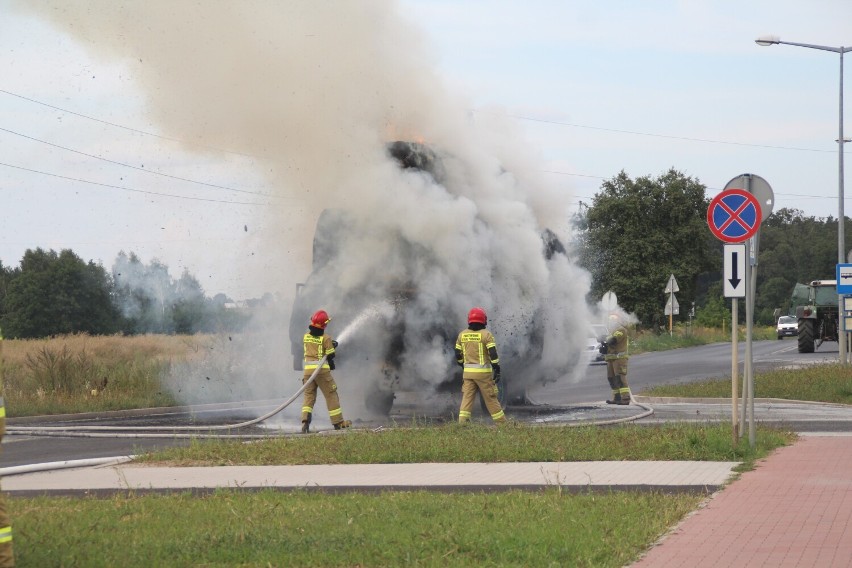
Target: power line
[129, 188]
[636, 133]
[154, 172]
[122, 126]
[517, 117]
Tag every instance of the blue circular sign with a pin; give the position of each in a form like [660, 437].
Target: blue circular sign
[734, 215]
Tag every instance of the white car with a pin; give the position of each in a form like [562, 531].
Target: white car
[787, 326]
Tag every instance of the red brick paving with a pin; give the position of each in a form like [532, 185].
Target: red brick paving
[794, 509]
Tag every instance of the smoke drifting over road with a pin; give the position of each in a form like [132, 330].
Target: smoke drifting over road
[314, 91]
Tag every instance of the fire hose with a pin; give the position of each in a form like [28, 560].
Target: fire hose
[162, 431]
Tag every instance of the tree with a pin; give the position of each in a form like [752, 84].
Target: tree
[153, 302]
[188, 309]
[793, 248]
[54, 294]
[715, 311]
[637, 233]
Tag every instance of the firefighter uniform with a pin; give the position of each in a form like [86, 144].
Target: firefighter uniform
[476, 352]
[616, 364]
[7, 558]
[318, 344]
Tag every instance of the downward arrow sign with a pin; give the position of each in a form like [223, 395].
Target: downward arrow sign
[734, 279]
[735, 270]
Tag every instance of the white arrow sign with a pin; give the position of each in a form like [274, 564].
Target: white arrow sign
[669, 311]
[733, 281]
[671, 286]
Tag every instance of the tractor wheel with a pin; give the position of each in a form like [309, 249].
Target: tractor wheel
[806, 335]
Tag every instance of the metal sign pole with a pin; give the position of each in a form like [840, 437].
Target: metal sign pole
[735, 285]
[734, 370]
[734, 216]
[751, 271]
[671, 311]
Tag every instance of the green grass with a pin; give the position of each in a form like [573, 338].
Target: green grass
[820, 383]
[269, 528]
[690, 337]
[478, 443]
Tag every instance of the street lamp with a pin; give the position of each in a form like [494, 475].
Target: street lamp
[841, 218]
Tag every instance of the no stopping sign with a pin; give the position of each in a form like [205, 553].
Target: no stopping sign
[734, 215]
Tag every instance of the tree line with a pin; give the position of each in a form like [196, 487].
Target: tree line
[633, 235]
[55, 293]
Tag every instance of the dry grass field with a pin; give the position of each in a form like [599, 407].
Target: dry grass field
[80, 373]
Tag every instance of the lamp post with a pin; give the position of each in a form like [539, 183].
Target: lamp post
[841, 218]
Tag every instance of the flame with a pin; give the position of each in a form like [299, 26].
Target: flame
[394, 132]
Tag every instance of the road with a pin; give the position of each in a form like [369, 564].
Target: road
[685, 365]
[582, 399]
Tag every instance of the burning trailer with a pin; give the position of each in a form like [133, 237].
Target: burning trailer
[398, 300]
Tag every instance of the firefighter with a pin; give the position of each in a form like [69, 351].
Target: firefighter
[614, 348]
[318, 344]
[7, 558]
[476, 352]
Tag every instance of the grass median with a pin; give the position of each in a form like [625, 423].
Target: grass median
[817, 383]
[455, 443]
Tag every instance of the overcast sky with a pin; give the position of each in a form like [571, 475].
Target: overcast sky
[595, 87]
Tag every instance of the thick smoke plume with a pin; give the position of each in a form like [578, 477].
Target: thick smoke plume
[315, 91]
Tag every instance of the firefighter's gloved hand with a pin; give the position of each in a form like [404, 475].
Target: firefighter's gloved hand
[602, 349]
[334, 343]
[331, 364]
[496, 373]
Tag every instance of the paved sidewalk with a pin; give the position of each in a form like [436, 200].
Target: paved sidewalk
[794, 509]
[656, 475]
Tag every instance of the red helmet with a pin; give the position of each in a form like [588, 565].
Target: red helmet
[477, 315]
[320, 319]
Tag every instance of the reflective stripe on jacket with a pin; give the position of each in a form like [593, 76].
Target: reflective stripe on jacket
[477, 350]
[617, 345]
[315, 349]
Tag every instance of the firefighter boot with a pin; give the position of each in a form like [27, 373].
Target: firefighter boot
[343, 424]
[306, 424]
[615, 385]
[625, 390]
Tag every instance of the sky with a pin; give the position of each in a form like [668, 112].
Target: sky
[589, 88]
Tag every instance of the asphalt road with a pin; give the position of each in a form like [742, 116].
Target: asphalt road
[562, 401]
[682, 366]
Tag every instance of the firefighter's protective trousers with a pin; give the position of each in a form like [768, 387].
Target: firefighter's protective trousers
[476, 351]
[616, 363]
[483, 383]
[7, 558]
[317, 347]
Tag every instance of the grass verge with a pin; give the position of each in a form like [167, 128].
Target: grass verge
[271, 528]
[454, 443]
[819, 383]
[646, 341]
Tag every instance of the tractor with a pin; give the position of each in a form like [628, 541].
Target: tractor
[816, 311]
